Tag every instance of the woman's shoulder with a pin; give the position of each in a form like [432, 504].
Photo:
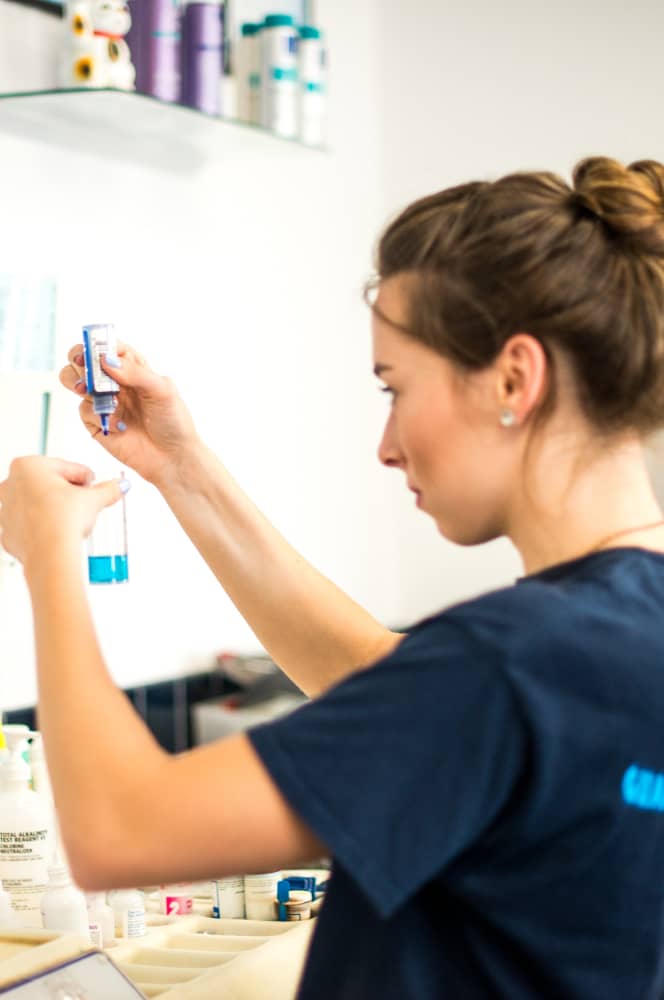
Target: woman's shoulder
[560, 606]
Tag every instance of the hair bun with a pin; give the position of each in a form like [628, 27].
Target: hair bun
[628, 200]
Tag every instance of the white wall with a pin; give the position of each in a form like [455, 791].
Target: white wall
[476, 89]
[237, 267]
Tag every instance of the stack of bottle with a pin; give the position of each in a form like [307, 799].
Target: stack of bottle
[280, 78]
[266, 896]
[36, 887]
[272, 74]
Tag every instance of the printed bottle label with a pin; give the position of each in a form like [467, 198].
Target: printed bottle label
[228, 897]
[95, 934]
[133, 923]
[23, 870]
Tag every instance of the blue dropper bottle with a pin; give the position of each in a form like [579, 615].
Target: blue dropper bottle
[98, 341]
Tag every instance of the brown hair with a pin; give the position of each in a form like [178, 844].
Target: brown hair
[579, 267]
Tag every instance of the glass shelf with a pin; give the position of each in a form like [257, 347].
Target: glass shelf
[127, 126]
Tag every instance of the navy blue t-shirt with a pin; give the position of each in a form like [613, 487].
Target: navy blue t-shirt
[492, 794]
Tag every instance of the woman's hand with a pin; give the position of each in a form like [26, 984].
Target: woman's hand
[151, 427]
[47, 503]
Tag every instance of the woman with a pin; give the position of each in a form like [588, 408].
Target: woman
[491, 786]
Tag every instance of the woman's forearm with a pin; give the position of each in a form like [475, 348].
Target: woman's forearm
[314, 631]
[80, 707]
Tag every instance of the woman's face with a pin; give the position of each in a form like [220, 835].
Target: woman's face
[443, 430]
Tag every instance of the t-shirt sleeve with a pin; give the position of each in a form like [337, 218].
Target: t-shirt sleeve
[402, 766]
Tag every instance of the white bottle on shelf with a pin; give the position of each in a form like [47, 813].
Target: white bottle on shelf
[279, 39]
[101, 919]
[311, 105]
[26, 831]
[41, 781]
[228, 897]
[128, 907]
[260, 892]
[63, 905]
[248, 73]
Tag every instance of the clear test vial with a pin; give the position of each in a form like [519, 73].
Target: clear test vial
[107, 545]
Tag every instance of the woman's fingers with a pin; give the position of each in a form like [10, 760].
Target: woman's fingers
[133, 372]
[73, 472]
[72, 375]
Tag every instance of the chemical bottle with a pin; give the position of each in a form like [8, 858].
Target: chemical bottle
[26, 832]
[202, 55]
[38, 768]
[101, 919]
[260, 893]
[129, 911]
[7, 915]
[248, 73]
[279, 75]
[311, 87]
[154, 43]
[63, 905]
[228, 897]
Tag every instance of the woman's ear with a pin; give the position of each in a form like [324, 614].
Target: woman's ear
[522, 368]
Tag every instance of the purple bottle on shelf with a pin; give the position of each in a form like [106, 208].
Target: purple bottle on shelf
[202, 56]
[155, 42]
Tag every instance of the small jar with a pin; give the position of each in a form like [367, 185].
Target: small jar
[228, 897]
[259, 896]
[129, 911]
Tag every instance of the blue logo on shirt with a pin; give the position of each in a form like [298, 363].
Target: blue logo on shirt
[643, 788]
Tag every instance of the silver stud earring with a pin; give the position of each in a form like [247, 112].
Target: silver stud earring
[507, 418]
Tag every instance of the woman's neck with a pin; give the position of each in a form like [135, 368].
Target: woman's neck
[577, 503]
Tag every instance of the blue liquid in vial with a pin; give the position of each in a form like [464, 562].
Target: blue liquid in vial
[108, 569]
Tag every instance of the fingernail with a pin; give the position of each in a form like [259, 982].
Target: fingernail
[79, 383]
[112, 361]
[125, 485]
[121, 425]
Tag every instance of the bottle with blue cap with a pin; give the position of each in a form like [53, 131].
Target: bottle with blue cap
[99, 341]
[279, 42]
[248, 73]
[311, 86]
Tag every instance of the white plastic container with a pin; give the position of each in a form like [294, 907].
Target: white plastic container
[248, 71]
[26, 832]
[260, 892]
[63, 906]
[228, 897]
[311, 105]
[177, 899]
[101, 919]
[128, 907]
[41, 781]
[279, 40]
